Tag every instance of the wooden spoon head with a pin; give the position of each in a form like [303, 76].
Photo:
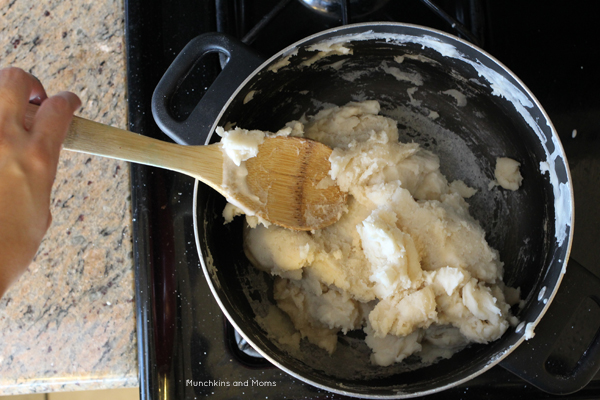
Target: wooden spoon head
[290, 176]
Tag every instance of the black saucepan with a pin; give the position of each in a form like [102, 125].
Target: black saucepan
[467, 108]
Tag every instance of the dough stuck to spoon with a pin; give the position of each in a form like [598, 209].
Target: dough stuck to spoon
[283, 178]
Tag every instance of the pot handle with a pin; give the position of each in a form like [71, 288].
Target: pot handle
[195, 130]
[533, 359]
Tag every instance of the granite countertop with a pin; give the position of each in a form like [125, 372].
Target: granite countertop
[69, 322]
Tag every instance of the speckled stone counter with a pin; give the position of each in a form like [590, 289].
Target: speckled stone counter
[69, 322]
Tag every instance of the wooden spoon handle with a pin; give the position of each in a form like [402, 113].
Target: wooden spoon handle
[202, 162]
[93, 138]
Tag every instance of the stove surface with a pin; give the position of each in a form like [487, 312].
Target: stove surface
[187, 349]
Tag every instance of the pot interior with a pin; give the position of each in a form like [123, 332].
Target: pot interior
[443, 103]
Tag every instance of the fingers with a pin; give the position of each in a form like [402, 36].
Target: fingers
[51, 123]
[47, 127]
[18, 88]
[38, 94]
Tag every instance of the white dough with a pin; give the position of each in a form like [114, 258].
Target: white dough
[240, 144]
[507, 173]
[407, 263]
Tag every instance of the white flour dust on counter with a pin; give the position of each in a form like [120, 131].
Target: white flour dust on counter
[406, 263]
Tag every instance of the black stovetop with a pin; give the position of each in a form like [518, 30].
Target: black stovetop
[183, 339]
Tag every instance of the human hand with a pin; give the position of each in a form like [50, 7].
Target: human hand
[28, 161]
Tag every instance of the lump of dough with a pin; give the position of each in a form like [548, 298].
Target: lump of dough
[317, 312]
[395, 263]
[507, 173]
[441, 341]
[447, 280]
[392, 349]
[479, 300]
[480, 323]
[280, 329]
[278, 250]
[406, 262]
[461, 188]
[354, 122]
[240, 144]
[401, 315]
[445, 234]
[292, 301]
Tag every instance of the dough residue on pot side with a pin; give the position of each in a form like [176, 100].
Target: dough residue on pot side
[406, 263]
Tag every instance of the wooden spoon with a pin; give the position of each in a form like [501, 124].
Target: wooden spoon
[282, 179]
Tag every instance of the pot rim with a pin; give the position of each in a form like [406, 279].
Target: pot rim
[567, 241]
